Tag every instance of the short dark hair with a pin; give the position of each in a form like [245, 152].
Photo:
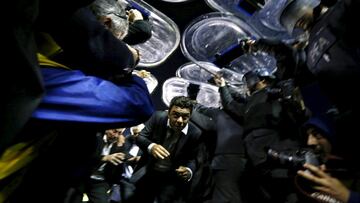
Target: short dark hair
[182, 102]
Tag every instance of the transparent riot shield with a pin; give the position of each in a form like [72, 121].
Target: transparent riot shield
[212, 33]
[164, 40]
[267, 20]
[193, 72]
[207, 94]
[150, 80]
[241, 8]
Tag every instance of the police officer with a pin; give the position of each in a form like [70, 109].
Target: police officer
[330, 54]
[262, 115]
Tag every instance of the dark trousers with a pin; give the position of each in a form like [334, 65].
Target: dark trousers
[227, 174]
[97, 191]
[159, 186]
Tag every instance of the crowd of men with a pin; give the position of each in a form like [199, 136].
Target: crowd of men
[76, 122]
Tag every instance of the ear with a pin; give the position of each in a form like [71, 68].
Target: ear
[107, 21]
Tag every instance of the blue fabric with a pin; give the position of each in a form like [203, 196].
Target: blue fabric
[354, 197]
[73, 96]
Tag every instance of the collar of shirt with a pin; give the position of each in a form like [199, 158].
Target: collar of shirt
[184, 130]
[105, 139]
[107, 146]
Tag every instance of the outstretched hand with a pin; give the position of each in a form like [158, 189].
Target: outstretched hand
[159, 152]
[325, 183]
[219, 81]
[116, 158]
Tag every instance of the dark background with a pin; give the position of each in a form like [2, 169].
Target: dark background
[182, 14]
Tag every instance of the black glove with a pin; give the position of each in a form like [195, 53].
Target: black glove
[193, 90]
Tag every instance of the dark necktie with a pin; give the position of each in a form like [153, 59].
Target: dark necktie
[171, 139]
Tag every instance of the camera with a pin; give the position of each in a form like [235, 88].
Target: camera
[295, 160]
[290, 97]
[287, 88]
[284, 90]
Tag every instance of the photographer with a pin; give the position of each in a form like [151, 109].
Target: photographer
[266, 124]
[265, 110]
[320, 137]
[330, 55]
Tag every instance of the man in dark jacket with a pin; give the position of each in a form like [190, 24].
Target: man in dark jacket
[172, 145]
[129, 23]
[108, 152]
[227, 155]
[331, 55]
[262, 116]
[320, 136]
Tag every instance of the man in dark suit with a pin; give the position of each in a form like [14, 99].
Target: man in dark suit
[266, 124]
[172, 145]
[227, 153]
[108, 167]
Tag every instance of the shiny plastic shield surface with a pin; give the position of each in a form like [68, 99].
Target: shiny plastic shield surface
[164, 40]
[193, 72]
[212, 33]
[256, 60]
[267, 20]
[150, 80]
[228, 6]
[177, 1]
[208, 95]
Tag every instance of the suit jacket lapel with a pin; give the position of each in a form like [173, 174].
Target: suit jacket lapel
[182, 140]
[162, 129]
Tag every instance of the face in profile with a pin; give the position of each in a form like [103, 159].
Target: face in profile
[318, 142]
[112, 135]
[178, 117]
[118, 25]
[305, 21]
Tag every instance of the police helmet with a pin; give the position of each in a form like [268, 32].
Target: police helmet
[294, 11]
[252, 77]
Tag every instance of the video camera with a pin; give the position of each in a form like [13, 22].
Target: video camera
[295, 160]
[287, 88]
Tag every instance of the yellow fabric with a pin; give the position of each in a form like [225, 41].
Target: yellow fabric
[47, 45]
[17, 157]
[44, 61]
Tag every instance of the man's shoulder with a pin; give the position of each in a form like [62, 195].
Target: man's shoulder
[202, 121]
[159, 117]
[194, 130]
[160, 114]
